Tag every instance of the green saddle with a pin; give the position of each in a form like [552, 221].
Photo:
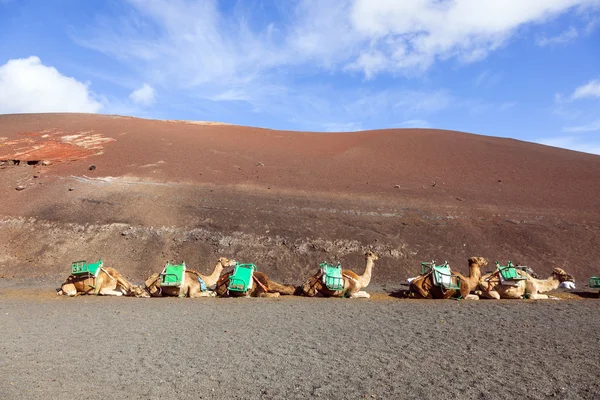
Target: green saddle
[594, 282]
[509, 272]
[241, 279]
[443, 277]
[332, 276]
[84, 268]
[172, 275]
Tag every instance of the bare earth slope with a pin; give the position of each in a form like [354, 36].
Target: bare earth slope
[285, 200]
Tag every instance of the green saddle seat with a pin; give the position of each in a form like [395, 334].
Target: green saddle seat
[84, 268]
[509, 272]
[332, 276]
[594, 282]
[241, 279]
[173, 275]
[443, 277]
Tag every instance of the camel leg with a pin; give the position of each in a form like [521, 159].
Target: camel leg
[263, 294]
[491, 294]
[538, 296]
[110, 292]
[361, 294]
[68, 290]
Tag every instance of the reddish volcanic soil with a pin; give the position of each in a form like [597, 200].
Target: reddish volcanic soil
[286, 200]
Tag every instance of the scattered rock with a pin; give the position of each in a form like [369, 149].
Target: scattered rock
[459, 199]
[36, 176]
[46, 163]
[20, 187]
[71, 189]
[433, 184]
[92, 167]
[260, 164]
[396, 186]
[499, 180]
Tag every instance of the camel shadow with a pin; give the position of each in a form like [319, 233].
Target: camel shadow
[586, 295]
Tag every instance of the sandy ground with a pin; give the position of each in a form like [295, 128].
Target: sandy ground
[384, 347]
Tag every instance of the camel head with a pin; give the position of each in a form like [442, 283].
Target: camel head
[479, 261]
[371, 255]
[312, 286]
[138, 291]
[562, 276]
[226, 262]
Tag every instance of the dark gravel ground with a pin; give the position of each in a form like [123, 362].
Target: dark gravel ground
[99, 347]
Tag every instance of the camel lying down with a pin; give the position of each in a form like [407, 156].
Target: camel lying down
[423, 286]
[109, 282]
[353, 283]
[191, 286]
[492, 287]
[262, 286]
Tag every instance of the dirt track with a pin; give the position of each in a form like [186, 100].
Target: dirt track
[98, 348]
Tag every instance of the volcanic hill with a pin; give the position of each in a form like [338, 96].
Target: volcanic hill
[138, 192]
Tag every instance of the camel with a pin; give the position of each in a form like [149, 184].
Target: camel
[491, 287]
[353, 283]
[191, 286]
[423, 286]
[109, 282]
[262, 287]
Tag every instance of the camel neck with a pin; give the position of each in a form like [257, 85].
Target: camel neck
[212, 278]
[474, 271]
[365, 279]
[546, 285]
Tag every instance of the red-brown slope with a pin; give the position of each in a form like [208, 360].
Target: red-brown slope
[288, 200]
[426, 164]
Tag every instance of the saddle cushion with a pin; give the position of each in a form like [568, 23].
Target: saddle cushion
[442, 276]
[332, 276]
[172, 275]
[241, 279]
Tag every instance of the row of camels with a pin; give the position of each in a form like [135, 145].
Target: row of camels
[111, 283]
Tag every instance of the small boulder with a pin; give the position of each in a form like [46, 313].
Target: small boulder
[20, 187]
[92, 167]
[46, 163]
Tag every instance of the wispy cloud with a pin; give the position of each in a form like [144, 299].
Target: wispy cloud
[591, 127]
[573, 143]
[562, 38]
[590, 89]
[194, 43]
[415, 123]
[145, 95]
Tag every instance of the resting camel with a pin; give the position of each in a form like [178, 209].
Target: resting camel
[353, 283]
[262, 287]
[109, 282]
[491, 287]
[422, 287]
[191, 286]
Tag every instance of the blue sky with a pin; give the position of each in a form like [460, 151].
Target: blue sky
[513, 68]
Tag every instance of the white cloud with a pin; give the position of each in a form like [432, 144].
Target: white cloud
[28, 86]
[190, 44]
[563, 38]
[144, 96]
[590, 89]
[591, 127]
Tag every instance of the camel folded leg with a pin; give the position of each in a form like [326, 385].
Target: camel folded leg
[361, 294]
[263, 294]
[67, 290]
[110, 292]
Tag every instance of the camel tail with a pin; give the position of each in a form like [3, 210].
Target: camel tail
[281, 289]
